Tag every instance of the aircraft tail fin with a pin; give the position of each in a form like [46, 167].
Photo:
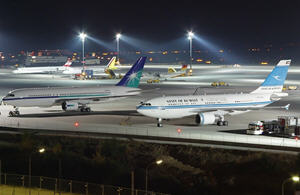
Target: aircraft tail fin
[68, 63]
[133, 76]
[275, 80]
[184, 67]
[111, 64]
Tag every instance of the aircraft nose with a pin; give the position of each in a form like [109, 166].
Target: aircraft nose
[138, 109]
[2, 101]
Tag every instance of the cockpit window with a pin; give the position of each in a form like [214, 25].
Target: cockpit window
[10, 95]
[145, 104]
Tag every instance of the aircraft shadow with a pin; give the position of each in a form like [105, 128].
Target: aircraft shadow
[237, 131]
[186, 124]
[58, 113]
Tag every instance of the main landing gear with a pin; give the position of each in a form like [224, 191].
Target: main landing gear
[159, 122]
[85, 109]
[222, 121]
[16, 112]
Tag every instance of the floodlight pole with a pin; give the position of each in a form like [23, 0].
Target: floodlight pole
[294, 179]
[83, 58]
[158, 162]
[118, 49]
[82, 37]
[191, 52]
[29, 171]
[118, 36]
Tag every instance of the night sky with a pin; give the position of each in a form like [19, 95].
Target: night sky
[54, 24]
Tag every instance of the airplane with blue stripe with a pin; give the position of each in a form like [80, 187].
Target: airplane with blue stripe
[211, 109]
[76, 98]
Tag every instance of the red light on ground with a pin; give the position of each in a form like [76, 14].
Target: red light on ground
[179, 130]
[296, 138]
[76, 124]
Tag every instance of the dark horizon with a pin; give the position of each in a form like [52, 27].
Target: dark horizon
[55, 24]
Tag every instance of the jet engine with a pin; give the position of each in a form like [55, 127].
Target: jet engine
[69, 106]
[206, 119]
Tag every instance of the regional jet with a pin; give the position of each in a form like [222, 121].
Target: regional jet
[44, 69]
[96, 69]
[173, 73]
[76, 98]
[211, 109]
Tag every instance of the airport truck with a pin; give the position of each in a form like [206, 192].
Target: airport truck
[263, 127]
[284, 125]
[84, 75]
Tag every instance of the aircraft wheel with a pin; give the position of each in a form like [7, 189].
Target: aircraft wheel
[159, 125]
[11, 114]
[220, 123]
[225, 123]
[88, 109]
[159, 122]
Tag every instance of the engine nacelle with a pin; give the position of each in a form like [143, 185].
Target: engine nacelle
[206, 119]
[69, 106]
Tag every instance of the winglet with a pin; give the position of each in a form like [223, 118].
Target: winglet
[133, 76]
[287, 106]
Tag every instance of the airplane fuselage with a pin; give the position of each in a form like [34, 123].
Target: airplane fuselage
[47, 97]
[46, 69]
[78, 70]
[171, 107]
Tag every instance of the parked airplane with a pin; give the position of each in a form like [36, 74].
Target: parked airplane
[96, 69]
[43, 69]
[76, 98]
[173, 73]
[210, 109]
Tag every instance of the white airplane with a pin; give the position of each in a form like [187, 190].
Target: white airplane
[43, 69]
[210, 109]
[96, 69]
[76, 98]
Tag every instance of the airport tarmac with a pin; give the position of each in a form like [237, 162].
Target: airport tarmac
[120, 117]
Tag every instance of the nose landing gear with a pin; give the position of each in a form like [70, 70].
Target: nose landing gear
[14, 113]
[159, 122]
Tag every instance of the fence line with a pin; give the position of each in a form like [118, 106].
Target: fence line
[59, 186]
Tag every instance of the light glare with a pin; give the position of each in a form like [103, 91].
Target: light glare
[159, 162]
[190, 35]
[295, 178]
[82, 36]
[118, 36]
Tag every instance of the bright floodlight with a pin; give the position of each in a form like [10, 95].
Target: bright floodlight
[295, 178]
[82, 36]
[118, 36]
[190, 35]
[159, 162]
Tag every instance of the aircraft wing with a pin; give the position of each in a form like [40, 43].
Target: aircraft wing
[95, 99]
[235, 111]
